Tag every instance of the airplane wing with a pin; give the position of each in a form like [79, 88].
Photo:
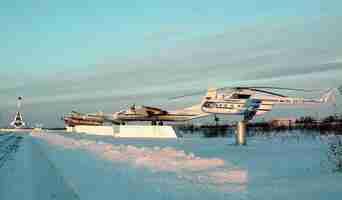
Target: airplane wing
[154, 111]
[73, 112]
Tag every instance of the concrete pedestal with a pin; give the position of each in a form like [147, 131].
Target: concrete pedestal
[127, 131]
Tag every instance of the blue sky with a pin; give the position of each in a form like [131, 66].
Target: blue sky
[105, 54]
[39, 35]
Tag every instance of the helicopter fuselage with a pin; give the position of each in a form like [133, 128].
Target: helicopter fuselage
[230, 106]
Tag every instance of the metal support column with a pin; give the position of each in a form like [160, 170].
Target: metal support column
[241, 132]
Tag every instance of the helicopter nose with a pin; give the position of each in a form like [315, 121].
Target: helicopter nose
[256, 101]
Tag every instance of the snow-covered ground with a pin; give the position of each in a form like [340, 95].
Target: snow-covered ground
[76, 166]
[29, 175]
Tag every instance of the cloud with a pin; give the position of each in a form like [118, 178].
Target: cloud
[167, 32]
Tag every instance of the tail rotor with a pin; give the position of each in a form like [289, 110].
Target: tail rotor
[329, 96]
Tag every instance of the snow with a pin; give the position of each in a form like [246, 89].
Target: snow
[29, 175]
[78, 166]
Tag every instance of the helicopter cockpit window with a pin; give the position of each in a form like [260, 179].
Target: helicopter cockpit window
[241, 96]
[209, 105]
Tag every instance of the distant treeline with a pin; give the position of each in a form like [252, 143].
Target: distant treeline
[206, 130]
[331, 124]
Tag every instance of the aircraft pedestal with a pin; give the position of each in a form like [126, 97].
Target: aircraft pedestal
[127, 131]
[240, 133]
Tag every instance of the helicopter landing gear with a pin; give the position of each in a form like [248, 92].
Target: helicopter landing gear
[155, 123]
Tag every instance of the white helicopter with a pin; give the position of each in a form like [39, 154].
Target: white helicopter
[251, 101]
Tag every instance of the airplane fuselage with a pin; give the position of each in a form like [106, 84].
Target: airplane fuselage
[124, 117]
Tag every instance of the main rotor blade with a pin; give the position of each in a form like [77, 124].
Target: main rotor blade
[266, 87]
[188, 95]
[278, 88]
[256, 88]
[268, 92]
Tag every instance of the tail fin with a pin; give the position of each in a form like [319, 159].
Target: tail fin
[329, 96]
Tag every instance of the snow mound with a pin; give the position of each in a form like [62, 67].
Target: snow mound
[185, 166]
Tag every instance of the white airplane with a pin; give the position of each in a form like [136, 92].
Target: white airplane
[158, 115]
